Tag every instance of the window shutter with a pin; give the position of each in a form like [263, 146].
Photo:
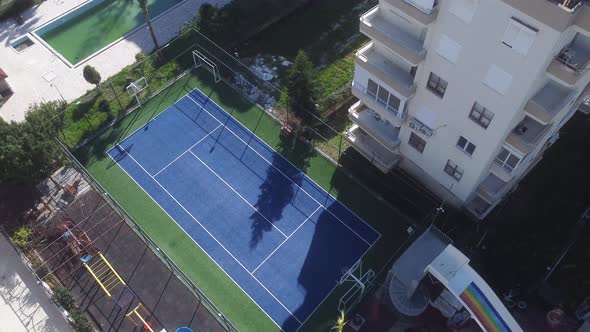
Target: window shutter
[463, 9]
[519, 37]
[424, 5]
[498, 79]
[511, 33]
[448, 48]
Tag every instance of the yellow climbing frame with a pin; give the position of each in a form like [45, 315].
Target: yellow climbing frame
[140, 312]
[104, 274]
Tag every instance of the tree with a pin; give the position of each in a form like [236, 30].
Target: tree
[91, 75]
[28, 151]
[301, 90]
[148, 21]
[340, 322]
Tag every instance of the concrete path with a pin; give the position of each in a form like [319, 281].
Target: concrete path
[24, 305]
[37, 74]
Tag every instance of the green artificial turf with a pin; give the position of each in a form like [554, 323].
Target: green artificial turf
[226, 295]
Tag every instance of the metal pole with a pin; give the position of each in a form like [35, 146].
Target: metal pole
[59, 92]
[574, 236]
[116, 96]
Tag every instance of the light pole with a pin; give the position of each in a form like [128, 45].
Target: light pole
[59, 92]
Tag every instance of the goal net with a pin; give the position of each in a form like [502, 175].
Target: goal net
[360, 282]
[202, 61]
[136, 87]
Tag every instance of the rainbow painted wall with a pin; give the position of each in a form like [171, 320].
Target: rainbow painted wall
[482, 309]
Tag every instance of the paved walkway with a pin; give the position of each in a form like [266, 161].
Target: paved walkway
[26, 70]
[24, 305]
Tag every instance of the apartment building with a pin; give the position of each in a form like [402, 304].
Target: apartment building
[466, 95]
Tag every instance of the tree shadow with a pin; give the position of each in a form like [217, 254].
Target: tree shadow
[274, 194]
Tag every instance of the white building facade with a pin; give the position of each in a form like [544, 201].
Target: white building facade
[466, 95]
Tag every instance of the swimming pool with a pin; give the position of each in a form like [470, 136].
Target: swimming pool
[94, 25]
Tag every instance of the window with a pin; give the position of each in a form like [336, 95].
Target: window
[437, 85]
[507, 160]
[383, 97]
[417, 142]
[464, 145]
[497, 79]
[481, 115]
[448, 48]
[519, 36]
[463, 9]
[453, 170]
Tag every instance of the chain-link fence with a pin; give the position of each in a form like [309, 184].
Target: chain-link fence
[226, 323]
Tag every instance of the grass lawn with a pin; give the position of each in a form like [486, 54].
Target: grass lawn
[328, 30]
[245, 315]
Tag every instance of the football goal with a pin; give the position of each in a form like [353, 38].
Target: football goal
[202, 61]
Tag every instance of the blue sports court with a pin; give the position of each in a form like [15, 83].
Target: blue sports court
[278, 235]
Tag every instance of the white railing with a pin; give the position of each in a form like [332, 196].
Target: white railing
[383, 103]
[369, 54]
[373, 19]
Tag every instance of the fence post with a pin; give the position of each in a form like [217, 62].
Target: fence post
[116, 96]
[339, 148]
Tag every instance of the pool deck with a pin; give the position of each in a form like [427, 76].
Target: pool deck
[37, 74]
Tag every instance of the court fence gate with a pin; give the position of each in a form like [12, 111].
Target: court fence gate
[224, 321]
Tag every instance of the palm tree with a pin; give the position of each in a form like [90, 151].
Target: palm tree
[146, 14]
[340, 322]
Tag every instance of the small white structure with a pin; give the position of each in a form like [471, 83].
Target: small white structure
[465, 294]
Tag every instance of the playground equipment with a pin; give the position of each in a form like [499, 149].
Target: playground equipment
[141, 314]
[77, 240]
[109, 280]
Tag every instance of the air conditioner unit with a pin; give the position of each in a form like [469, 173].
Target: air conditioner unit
[427, 6]
[425, 131]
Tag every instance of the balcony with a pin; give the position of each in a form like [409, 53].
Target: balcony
[583, 19]
[395, 116]
[375, 126]
[546, 103]
[397, 38]
[376, 153]
[490, 188]
[478, 206]
[386, 70]
[558, 14]
[526, 135]
[422, 16]
[573, 61]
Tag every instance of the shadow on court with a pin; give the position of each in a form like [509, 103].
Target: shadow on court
[274, 195]
[170, 304]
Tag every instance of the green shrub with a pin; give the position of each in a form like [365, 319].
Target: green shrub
[79, 321]
[22, 236]
[64, 298]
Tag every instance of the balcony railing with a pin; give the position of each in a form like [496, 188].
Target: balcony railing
[568, 5]
[527, 134]
[401, 79]
[550, 99]
[356, 86]
[419, 11]
[394, 36]
[371, 149]
[575, 58]
[374, 125]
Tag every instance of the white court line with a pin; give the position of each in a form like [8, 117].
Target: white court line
[182, 154]
[213, 237]
[297, 168]
[288, 237]
[303, 190]
[152, 119]
[197, 243]
[237, 193]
